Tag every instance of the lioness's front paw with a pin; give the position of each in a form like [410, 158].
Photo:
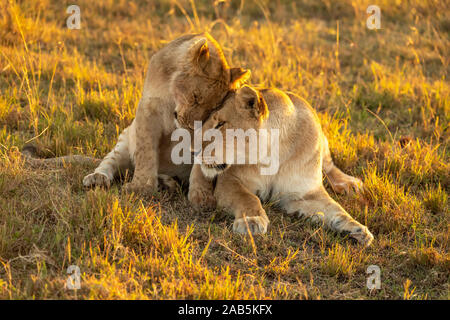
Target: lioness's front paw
[140, 189]
[362, 235]
[96, 179]
[255, 224]
[202, 198]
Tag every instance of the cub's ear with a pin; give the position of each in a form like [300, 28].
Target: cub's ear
[199, 53]
[239, 76]
[254, 101]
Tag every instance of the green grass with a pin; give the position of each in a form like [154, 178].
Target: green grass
[383, 100]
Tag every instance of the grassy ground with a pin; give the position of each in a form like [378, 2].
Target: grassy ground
[383, 98]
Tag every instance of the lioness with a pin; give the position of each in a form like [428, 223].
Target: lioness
[303, 154]
[187, 78]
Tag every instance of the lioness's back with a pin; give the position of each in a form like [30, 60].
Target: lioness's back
[292, 113]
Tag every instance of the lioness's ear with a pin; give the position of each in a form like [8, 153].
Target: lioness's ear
[200, 54]
[254, 101]
[239, 76]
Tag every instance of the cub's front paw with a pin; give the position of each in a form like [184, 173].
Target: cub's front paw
[96, 179]
[255, 224]
[362, 235]
[145, 190]
[202, 198]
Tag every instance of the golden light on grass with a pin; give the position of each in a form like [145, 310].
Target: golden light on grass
[72, 91]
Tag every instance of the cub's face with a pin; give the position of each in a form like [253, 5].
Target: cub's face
[203, 82]
[236, 124]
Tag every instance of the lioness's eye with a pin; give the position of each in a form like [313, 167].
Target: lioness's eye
[220, 124]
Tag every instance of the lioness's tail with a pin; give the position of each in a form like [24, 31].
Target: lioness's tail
[30, 155]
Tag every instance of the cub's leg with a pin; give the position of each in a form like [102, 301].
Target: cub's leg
[246, 207]
[339, 181]
[149, 130]
[118, 159]
[319, 206]
[201, 194]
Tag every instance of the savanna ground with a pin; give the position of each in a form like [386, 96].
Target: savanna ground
[383, 99]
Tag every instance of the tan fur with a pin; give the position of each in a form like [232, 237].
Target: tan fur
[187, 78]
[297, 187]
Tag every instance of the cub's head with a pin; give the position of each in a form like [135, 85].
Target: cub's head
[237, 126]
[203, 81]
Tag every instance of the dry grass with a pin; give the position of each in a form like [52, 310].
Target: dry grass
[383, 98]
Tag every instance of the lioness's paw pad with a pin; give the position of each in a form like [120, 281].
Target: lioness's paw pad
[96, 179]
[362, 235]
[201, 198]
[256, 225]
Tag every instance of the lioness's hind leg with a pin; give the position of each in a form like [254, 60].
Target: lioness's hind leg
[118, 159]
[343, 183]
[339, 181]
[319, 206]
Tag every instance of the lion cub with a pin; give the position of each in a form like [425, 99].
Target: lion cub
[187, 79]
[301, 152]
